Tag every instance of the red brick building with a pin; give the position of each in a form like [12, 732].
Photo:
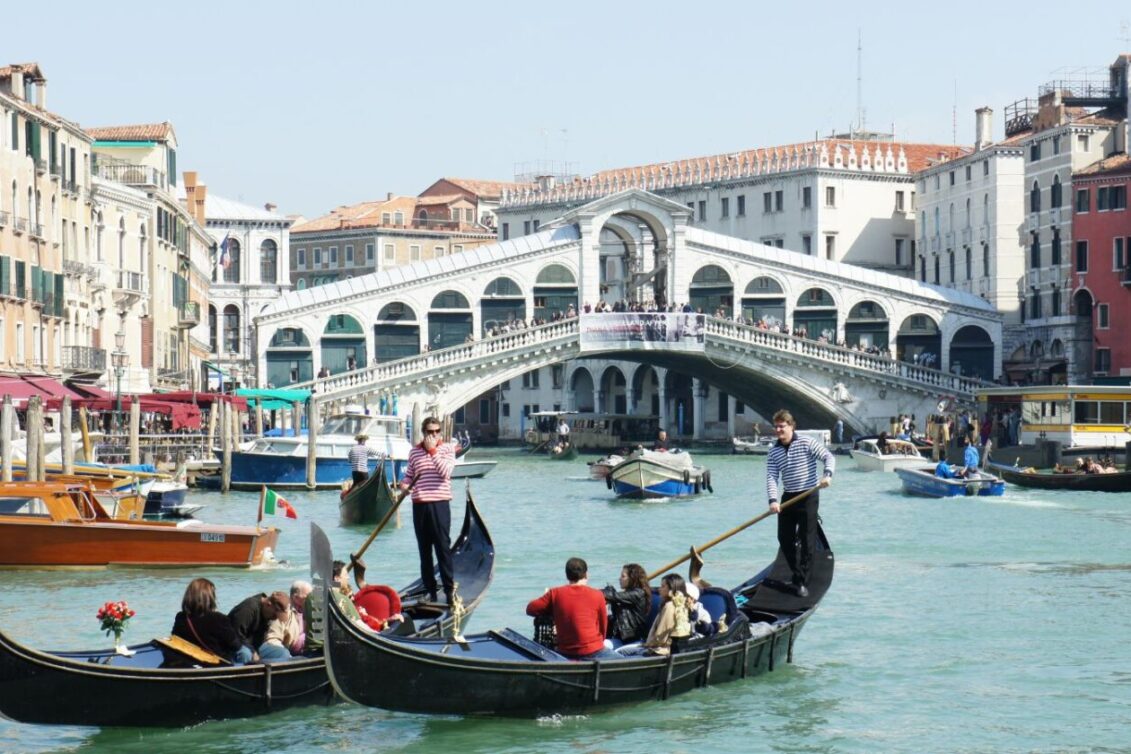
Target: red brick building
[1100, 263]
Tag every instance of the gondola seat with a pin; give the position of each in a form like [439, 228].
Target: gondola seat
[719, 603]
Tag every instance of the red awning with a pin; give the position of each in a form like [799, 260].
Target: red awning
[24, 386]
[183, 415]
[86, 390]
[201, 399]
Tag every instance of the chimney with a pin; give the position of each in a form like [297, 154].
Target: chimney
[17, 82]
[41, 94]
[389, 196]
[270, 206]
[983, 128]
[198, 211]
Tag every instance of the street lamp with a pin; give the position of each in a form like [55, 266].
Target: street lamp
[120, 359]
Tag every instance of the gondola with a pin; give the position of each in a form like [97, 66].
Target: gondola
[1047, 480]
[367, 502]
[104, 688]
[559, 453]
[505, 673]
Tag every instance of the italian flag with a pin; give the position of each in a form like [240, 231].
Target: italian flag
[275, 505]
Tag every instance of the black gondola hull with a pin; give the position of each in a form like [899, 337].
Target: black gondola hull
[1117, 482]
[504, 673]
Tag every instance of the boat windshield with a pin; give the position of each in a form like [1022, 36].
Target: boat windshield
[23, 506]
[352, 424]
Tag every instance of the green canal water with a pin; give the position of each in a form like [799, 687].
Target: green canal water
[967, 625]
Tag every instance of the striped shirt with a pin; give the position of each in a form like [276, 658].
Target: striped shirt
[430, 474]
[796, 466]
[359, 457]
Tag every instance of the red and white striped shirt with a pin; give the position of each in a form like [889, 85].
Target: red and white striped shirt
[430, 474]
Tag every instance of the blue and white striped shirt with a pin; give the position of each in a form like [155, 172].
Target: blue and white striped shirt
[796, 466]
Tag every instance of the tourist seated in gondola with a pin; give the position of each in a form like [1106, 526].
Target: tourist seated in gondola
[300, 591]
[700, 617]
[630, 606]
[200, 623]
[579, 612]
[283, 632]
[673, 621]
[251, 617]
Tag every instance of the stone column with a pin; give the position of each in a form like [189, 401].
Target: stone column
[7, 425]
[732, 409]
[661, 386]
[629, 399]
[698, 393]
[598, 400]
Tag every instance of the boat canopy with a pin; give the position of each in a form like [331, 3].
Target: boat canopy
[273, 399]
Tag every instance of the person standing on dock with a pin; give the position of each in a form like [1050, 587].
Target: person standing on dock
[792, 462]
[359, 458]
[429, 475]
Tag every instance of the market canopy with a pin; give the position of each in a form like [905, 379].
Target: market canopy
[273, 399]
[182, 415]
[202, 399]
[24, 386]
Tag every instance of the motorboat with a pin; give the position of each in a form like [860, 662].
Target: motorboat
[898, 454]
[755, 446]
[280, 462]
[166, 499]
[656, 473]
[60, 525]
[922, 481]
[467, 468]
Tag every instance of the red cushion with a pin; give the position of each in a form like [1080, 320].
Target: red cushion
[379, 603]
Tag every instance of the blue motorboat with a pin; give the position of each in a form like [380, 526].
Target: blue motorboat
[280, 462]
[921, 480]
[655, 474]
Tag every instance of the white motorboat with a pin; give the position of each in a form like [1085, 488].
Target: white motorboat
[600, 468]
[900, 454]
[756, 446]
[652, 474]
[469, 469]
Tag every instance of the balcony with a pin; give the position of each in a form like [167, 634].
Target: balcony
[40, 165]
[189, 314]
[20, 225]
[130, 174]
[3, 219]
[129, 287]
[1054, 216]
[84, 359]
[1034, 222]
[56, 171]
[948, 239]
[37, 230]
[936, 242]
[1125, 276]
[967, 236]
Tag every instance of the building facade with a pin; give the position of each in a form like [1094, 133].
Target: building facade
[1101, 263]
[969, 210]
[486, 195]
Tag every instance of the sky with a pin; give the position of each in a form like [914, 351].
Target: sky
[314, 105]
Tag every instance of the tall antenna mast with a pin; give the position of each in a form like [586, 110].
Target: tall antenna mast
[859, 81]
[954, 117]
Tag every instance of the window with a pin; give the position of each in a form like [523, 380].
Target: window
[537, 223]
[1117, 197]
[317, 258]
[985, 260]
[807, 244]
[741, 205]
[1055, 302]
[952, 178]
[938, 266]
[767, 202]
[268, 262]
[969, 263]
[302, 259]
[1103, 319]
[437, 251]
[1117, 254]
[1035, 252]
[386, 218]
[1081, 256]
[1083, 200]
[1034, 151]
[349, 256]
[806, 197]
[899, 201]
[922, 269]
[1102, 199]
[779, 201]
[725, 209]
[830, 196]
[985, 167]
[1103, 361]
[506, 407]
[830, 246]
[1056, 145]
[951, 266]
[333, 256]
[526, 227]
[1054, 195]
[779, 243]
[530, 379]
[506, 231]
[398, 218]
[1055, 246]
[414, 252]
[457, 248]
[1035, 306]
[557, 376]
[702, 209]
[20, 353]
[369, 253]
[484, 411]
[1082, 142]
[390, 252]
[899, 252]
[1035, 198]
[968, 170]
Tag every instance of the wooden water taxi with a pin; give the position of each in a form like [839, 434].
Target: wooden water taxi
[60, 525]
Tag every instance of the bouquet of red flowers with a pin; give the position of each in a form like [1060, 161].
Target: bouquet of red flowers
[113, 617]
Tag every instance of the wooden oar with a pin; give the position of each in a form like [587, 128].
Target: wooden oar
[731, 533]
[388, 515]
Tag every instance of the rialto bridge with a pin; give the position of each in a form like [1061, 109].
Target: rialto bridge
[440, 333]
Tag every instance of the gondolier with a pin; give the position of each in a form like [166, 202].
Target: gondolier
[359, 456]
[792, 461]
[429, 476]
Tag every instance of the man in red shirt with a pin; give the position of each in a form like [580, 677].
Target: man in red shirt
[579, 612]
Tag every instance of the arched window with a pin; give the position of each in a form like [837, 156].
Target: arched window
[231, 329]
[922, 269]
[1054, 197]
[122, 244]
[142, 248]
[968, 220]
[986, 210]
[952, 267]
[212, 329]
[1035, 198]
[969, 264]
[268, 262]
[1035, 252]
[230, 261]
[985, 260]
[950, 217]
[938, 227]
[938, 265]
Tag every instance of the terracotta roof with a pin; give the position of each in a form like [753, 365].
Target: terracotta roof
[485, 189]
[447, 199]
[1107, 117]
[1116, 163]
[141, 132]
[25, 68]
[370, 215]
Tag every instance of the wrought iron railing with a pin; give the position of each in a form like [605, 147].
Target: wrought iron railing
[84, 359]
